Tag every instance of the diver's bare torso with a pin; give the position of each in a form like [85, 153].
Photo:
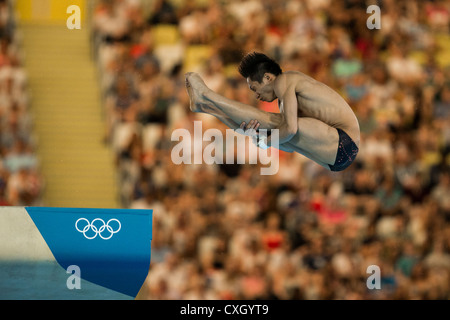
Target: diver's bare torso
[317, 100]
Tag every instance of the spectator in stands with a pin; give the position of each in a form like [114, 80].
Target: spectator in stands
[219, 234]
[20, 181]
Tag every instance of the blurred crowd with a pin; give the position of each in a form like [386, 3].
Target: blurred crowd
[20, 181]
[228, 232]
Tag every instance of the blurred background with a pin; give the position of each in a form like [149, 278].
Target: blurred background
[86, 118]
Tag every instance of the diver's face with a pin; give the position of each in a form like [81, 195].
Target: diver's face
[264, 90]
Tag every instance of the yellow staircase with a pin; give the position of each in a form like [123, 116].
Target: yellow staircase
[77, 167]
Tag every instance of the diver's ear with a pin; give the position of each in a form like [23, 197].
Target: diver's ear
[268, 77]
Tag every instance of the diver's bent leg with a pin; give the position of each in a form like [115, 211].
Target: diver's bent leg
[208, 100]
[224, 119]
[316, 140]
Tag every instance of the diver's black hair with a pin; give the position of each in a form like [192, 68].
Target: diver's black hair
[255, 64]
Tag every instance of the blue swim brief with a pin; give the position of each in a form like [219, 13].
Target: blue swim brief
[346, 154]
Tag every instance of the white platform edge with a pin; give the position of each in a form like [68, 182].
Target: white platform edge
[19, 237]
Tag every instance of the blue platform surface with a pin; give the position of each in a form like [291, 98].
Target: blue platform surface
[46, 280]
[110, 247]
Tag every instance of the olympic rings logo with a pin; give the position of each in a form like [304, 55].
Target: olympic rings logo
[97, 227]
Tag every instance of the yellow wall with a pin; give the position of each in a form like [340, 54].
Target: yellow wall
[50, 11]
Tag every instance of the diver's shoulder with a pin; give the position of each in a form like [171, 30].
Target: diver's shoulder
[296, 76]
[298, 79]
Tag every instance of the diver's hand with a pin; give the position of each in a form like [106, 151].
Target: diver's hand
[249, 129]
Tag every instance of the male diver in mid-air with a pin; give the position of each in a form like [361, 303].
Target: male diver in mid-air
[314, 120]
